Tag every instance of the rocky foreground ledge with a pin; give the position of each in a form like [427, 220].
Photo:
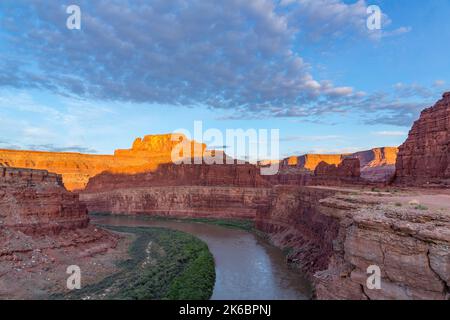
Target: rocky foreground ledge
[43, 230]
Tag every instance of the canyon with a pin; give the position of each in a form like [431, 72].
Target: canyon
[333, 215]
[333, 223]
[147, 153]
[44, 229]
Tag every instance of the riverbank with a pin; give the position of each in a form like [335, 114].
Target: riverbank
[241, 224]
[246, 266]
[162, 264]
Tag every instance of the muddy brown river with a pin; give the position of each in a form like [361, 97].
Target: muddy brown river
[247, 267]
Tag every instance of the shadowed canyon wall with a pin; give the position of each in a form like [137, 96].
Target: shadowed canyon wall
[223, 191]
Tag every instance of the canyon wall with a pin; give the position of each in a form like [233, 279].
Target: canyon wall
[334, 235]
[376, 165]
[35, 201]
[219, 191]
[181, 201]
[43, 230]
[293, 223]
[411, 247]
[347, 172]
[76, 169]
[424, 158]
[237, 175]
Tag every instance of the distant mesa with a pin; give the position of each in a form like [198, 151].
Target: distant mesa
[76, 169]
[376, 165]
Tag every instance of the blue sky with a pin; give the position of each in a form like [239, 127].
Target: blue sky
[309, 68]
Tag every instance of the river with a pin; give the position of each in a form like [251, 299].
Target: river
[247, 267]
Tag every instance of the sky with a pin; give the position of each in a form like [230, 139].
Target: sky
[310, 68]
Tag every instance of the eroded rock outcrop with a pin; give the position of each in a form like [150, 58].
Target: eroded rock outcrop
[424, 158]
[44, 229]
[376, 166]
[232, 175]
[411, 246]
[35, 201]
[76, 169]
[347, 172]
[181, 201]
[293, 223]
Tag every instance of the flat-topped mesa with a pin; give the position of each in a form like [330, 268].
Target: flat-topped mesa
[376, 165]
[36, 202]
[161, 145]
[424, 158]
[310, 161]
[76, 168]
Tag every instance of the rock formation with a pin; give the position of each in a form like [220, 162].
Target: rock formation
[424, 158]
[76, 169]
[237, 175]
[35, 201]
[224, 191]
[335, 235]
[376, 165]
[409, 245]
[181, 201]
[44, 229]
[347, 172]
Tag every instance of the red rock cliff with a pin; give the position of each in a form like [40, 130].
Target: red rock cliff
[76, 169]
[424, 158]
[238, 175]
[35, 201]
[227, 191]
[348, 171]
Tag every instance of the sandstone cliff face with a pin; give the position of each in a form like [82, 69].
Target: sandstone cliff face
[347, 172]
[410, 246]
[310, 161]
[238, 175]
[376, 165]
[76, 169]
[293, 223]
[44, 229]
[424, 158]
[181, 201]
[36, 202]
[335, 235]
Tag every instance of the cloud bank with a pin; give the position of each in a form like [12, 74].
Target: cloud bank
[237, 54]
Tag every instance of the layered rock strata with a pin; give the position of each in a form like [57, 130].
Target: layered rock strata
[76, 169]
[424, 158]
[334, 235]
[347, 172]
[293, 223]
[44, 229]
[181, 201]
[234, 175]
[410, 246]
[36, 201]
